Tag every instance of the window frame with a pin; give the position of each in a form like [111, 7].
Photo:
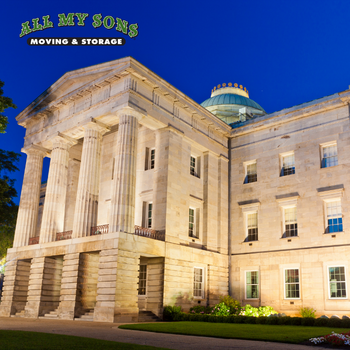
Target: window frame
[195, 234]
[145, 213]
[282, 156]
[246, 284]
[329, 282]
[149, 163]
[249, 209]
[196, 169]
[203, 283]
[246, 164]
[257, 226]
[284, 234]
[284, 282]
[145, 279]
[322, 147]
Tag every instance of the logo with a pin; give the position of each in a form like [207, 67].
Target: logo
[79, 19]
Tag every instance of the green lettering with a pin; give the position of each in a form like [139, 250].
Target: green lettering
[97, 20]
[81, 18]
[25, 29]
[122, 26]
[66, 21]
[36, 26]
[133, 33]
[47, 22]
[111, 23]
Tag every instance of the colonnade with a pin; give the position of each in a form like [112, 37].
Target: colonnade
[86, 207]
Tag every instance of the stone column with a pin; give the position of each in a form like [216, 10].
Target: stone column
[86, 206]
[28, 208]
[124, 180]
[56, 190]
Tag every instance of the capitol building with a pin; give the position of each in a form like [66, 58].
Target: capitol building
[153, 199]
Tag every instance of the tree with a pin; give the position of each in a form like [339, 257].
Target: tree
[8, 209]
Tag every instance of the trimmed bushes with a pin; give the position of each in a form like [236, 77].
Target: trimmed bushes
[271, 320]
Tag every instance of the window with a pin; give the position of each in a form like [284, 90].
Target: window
[287, 164]
[194, 166]
[252, 226]
[329, 155]
[337, 283]
[334, 217]
[150, 157]
[250, 172]
[291, 284]
[193, 222]
[252, 284]
[147, 215]
[142, 280]
[290, 222]
[198, 283]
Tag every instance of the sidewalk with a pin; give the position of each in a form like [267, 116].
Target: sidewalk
[110, 331]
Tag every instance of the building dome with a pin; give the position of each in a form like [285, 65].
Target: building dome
[232, 104]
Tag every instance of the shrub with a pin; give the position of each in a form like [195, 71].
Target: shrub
[345, 323]
[272, 320]
[307, 312]
[261, 320]
[239, 319]
[295, 321]
[321, 322]
[266, 311]
[169, 312]
[221, 310]
[334, 322]
[307, 321]
[233, 304]
[250, 319]
[200, 309]
[285, 320]
[249, 310]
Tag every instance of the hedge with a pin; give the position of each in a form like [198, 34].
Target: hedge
[274, 320]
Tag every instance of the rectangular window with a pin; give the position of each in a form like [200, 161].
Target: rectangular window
[288, 164]
[195, 166]
[292, 284]
[337, 283]
[150, 156]
[290, 222]
[142, 280]
[334, 217]
[192, 228]
[147, 214]
[198, 283]
[250, 172]
[329, 156]
[252, 284]
[252, 226]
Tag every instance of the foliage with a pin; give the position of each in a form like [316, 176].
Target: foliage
[266, 311]
[308, 312]
[220, 310]
[170, 312]
[335, 339]
[233, 304]
[8, 209]
[262, 311]
[307, 321]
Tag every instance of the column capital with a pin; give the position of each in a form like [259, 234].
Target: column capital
[96, 125]
[35, 149]
[130, 111]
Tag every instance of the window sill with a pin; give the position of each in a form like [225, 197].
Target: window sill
[290, 238]
[339, 233]
[250, 242]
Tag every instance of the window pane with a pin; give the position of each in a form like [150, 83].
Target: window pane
[334, 217]
[198, 283]
[337, 283]
[142, 280]
[330, 156]
[288, 165]
[292, 283]
[251, 173]
[252, 225]
[252, 285]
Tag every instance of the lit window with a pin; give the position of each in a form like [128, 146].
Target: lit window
[252, 226]
[291, 282]
[329, 155]
[250, 172]
[142, 280]
[252, 284]
[149, 215]
[334, 217]
[288, 164]
[198, 283]
[290, 222]
[150, 156]
[337, 283]
[195, 166]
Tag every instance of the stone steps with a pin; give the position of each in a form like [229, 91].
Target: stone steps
[88, 316]
[148, 316]
[51, 314]
[19, 314]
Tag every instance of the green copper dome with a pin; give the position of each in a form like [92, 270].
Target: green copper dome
[231, 99]
[231, 103]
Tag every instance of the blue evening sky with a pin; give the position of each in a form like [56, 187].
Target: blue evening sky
[284, 52]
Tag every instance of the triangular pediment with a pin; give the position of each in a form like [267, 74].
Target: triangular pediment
[73, 82]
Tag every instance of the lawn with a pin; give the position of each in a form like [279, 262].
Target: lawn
[284, 334]
[19, 340]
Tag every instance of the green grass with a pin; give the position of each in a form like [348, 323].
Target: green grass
[19, 340]
[284, 334]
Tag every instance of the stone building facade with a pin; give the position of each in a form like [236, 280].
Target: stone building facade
[153, 200]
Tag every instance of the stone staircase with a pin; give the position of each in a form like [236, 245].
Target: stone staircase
[148, 316]
[88, 316]
[19, 314]
[52, 314]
